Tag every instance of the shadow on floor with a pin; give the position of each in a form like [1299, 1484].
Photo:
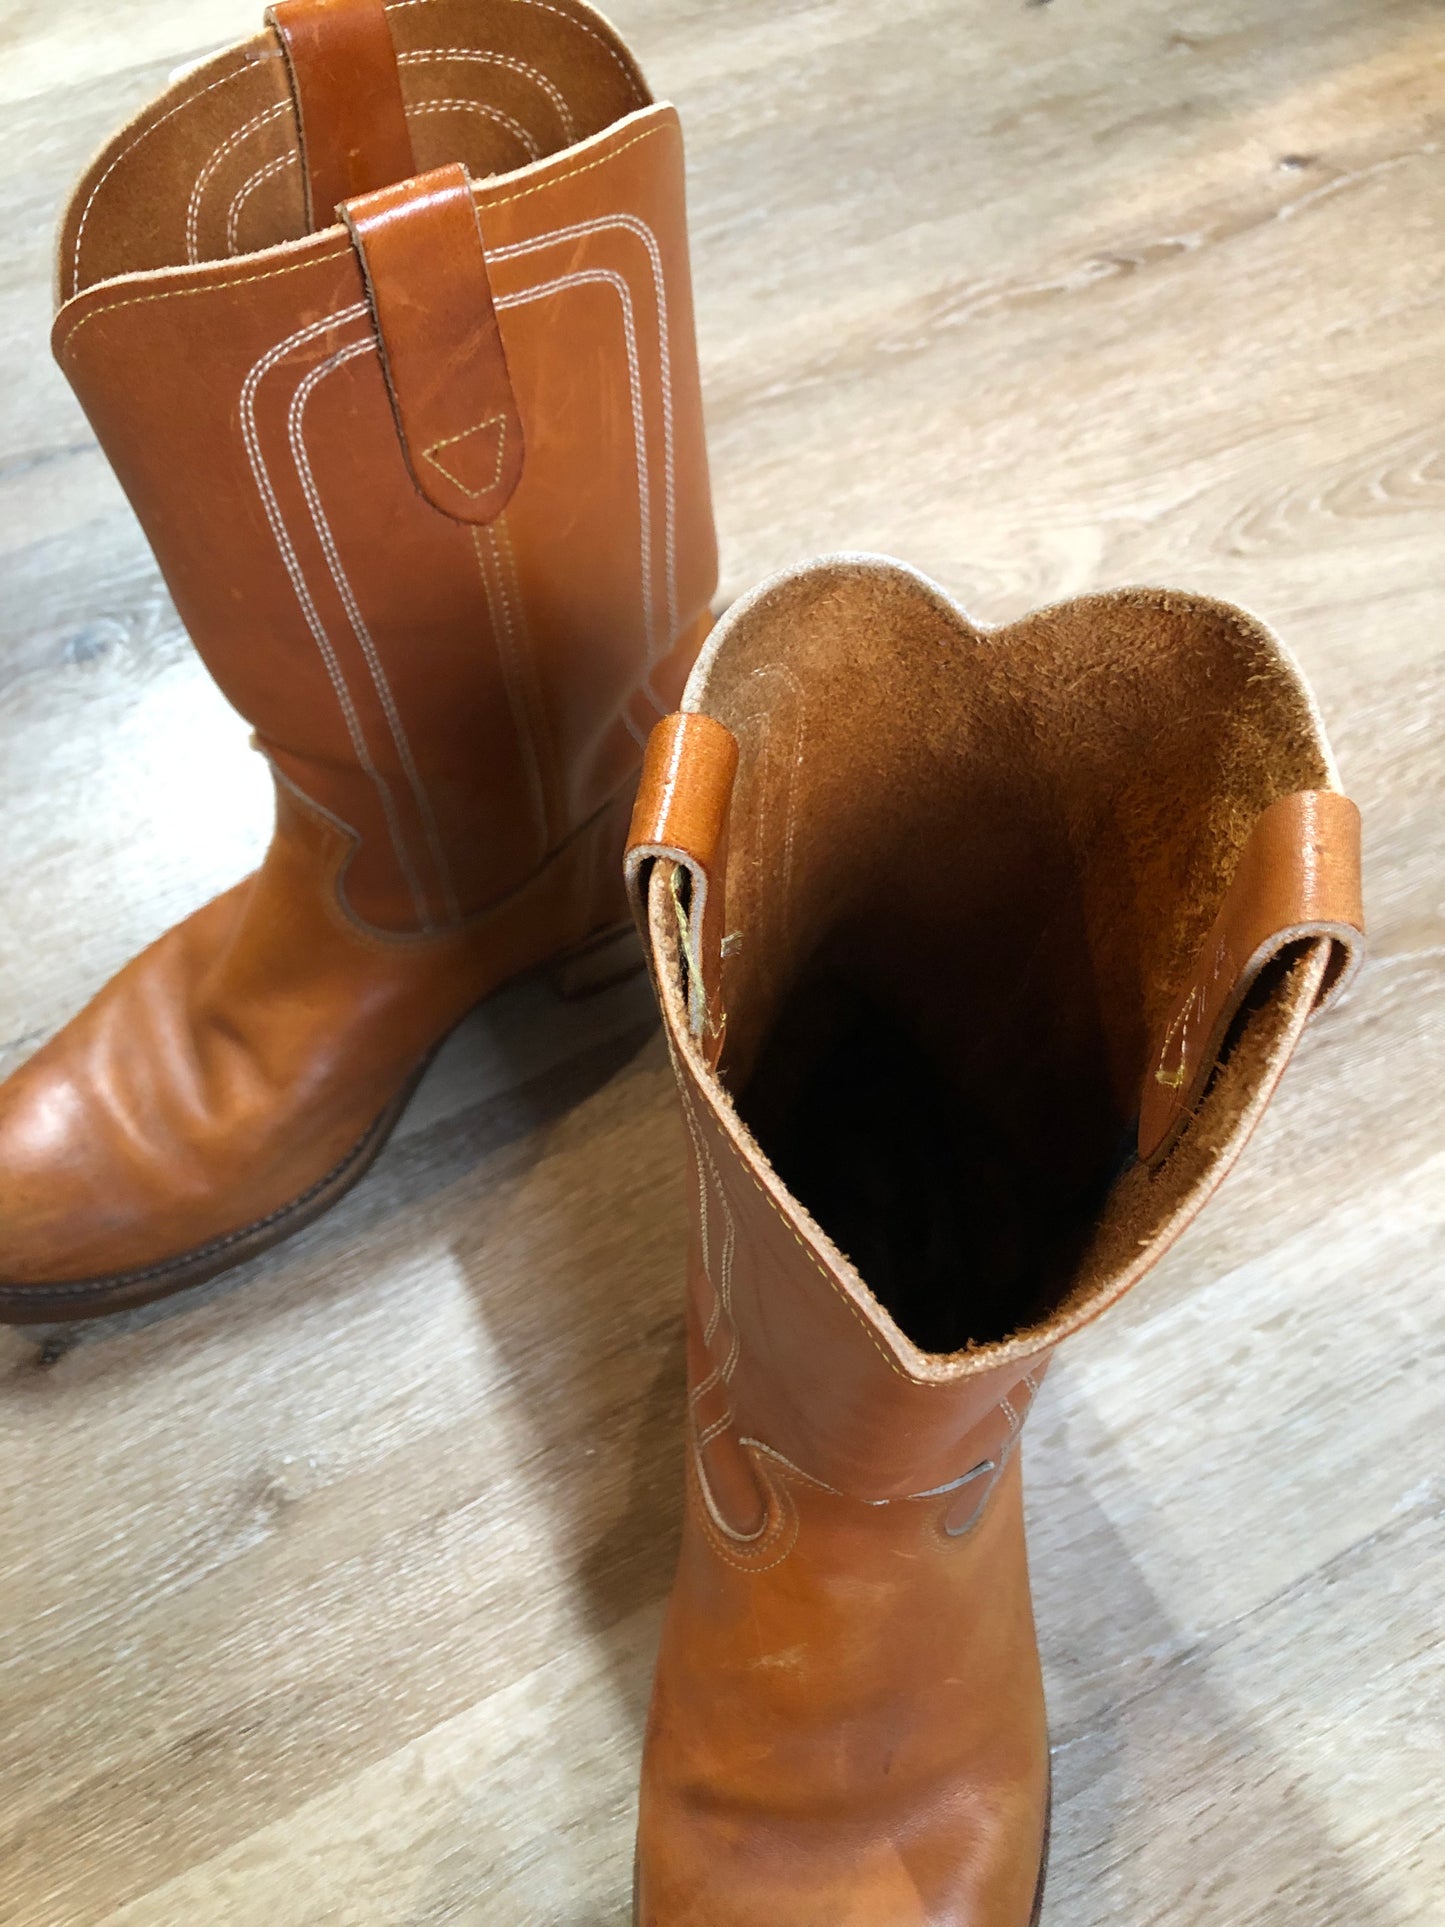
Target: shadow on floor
[1147, 1740]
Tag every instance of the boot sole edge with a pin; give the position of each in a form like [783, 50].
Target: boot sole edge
[124, 1291]
[71, 1302]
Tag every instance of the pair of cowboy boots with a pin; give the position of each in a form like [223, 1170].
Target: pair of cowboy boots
[978, 953]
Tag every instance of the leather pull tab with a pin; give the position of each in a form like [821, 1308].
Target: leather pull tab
[681, 813]
[441, 349]
[347, 92]
[1298, 879]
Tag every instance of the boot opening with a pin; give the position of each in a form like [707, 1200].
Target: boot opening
[969, 873]
[958, 1234]
[211, 169]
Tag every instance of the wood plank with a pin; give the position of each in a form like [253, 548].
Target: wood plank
[330, 1590]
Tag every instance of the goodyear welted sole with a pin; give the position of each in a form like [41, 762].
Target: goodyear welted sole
[1038, 1907]
[70, 1301]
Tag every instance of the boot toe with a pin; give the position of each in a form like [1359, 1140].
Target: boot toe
[958, 1868]
[63, 1220]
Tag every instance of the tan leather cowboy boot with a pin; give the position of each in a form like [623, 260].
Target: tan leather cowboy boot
[384, 320]
[976, 974]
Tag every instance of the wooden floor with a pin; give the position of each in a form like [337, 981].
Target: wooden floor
[328, 1594]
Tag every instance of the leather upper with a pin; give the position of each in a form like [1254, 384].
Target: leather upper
[453, 646]
[438, 342]
[847, 1725]
[346, 88]
[1297, 881]
[428, 487]
[1004, 848]
[243, 1057]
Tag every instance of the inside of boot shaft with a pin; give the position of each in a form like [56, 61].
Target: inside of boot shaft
[211, 169]
[968, 873]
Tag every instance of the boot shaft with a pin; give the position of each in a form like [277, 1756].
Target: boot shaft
[965, 900]
[929, 908]
[429, 488]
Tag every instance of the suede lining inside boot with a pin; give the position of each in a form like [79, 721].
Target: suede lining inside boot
[489, 83]
[975, 868]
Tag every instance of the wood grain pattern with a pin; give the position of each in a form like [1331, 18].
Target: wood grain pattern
[329, 1592]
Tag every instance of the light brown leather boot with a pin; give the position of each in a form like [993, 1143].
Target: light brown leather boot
[384, 320]
[977, 974]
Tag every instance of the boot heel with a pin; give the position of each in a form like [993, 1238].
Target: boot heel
[604, 960]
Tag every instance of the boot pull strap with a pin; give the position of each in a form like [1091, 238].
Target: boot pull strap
[430, 294]
[1297, 880]
[681, 814]
[347, 93]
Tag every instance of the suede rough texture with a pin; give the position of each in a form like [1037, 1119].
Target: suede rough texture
[495, 84]
[1019, 838]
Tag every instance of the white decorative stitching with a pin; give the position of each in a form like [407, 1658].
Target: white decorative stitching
[549, 87]
[718, 1426]
[644, 233]
[432, 55]
[996, 1467]
[638, 735]
[519, 298]
[582, 278]
[272, 508]
[130, 146]
[246, 189]
[745, 1551]
[704, 1195]
[651, 694]
[227, 146]
[707, 1176]
[399, 6]
[544, 742]
[64, 339]
[720, 1377]
[269, 503]
[296, 430]
[508, 651]
[282, 161]
[527, 141]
